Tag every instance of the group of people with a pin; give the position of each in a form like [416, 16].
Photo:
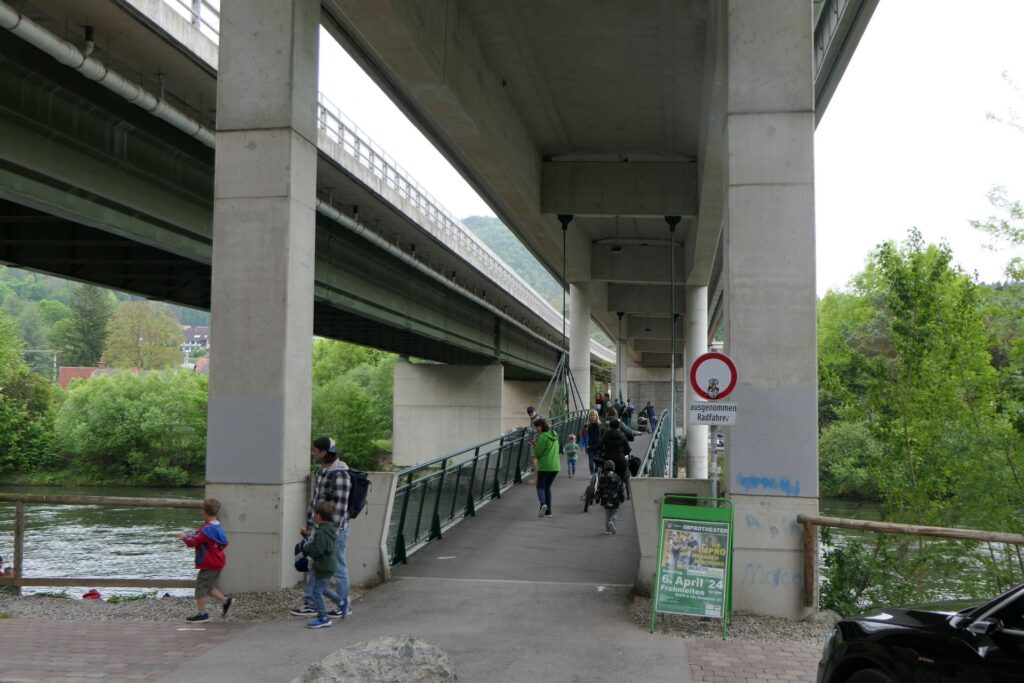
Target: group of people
[626, 411]
[607, 445]
[321, 552]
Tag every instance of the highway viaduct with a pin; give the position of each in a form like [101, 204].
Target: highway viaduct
[668, 146]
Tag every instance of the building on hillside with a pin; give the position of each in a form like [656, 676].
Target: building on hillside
[203, 365]
[196, 337]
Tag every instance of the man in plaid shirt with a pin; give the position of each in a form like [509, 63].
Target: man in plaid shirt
[331, 483]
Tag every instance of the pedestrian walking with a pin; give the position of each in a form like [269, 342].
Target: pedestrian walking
[611, 492]
[590, 438]
[545, 454]
[572, 450]
[209, 540]
[322, 547]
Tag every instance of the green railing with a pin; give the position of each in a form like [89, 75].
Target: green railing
[659, 460]
[436, 495]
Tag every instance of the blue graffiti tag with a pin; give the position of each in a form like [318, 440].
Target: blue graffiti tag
[784, 486]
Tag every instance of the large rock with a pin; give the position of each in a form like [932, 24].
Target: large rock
[383, 660]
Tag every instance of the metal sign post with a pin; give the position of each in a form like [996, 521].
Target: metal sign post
[694, 561]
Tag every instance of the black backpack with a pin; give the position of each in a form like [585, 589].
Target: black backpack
[357, 493]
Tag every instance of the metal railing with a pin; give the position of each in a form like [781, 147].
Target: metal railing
[203, 14]
[659, 460]
[436, 495]
[440, 222]
[20, 500]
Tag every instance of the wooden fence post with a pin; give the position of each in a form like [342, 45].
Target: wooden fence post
[810, 564]
[19, 544]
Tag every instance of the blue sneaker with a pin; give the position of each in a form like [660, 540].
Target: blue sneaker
[319, 623]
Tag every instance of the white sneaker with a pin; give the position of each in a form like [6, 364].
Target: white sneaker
[543, 510]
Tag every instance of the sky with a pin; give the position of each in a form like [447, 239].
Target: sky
[905, 141]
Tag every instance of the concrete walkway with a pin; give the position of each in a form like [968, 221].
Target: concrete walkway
[510, 596]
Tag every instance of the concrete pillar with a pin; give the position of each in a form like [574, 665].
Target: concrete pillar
[620, 375]
[770, 297]
[516, 397]
[579, 338]
[696, 345]
[439, 409]
[262, 291]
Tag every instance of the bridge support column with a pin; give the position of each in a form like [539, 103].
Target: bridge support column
[262, 288]
[579, 338]
[696, 345]
[443, 408]
[770, 297]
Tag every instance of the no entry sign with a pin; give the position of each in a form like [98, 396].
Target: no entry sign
[713, 376]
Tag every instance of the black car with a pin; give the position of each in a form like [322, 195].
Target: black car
[979, 644]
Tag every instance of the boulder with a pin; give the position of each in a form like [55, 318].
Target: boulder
[383, 660]
[825, 616]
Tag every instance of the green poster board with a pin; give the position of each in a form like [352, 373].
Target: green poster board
[694, 562]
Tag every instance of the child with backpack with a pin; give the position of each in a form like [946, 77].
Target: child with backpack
[611, 491]
[209, 540]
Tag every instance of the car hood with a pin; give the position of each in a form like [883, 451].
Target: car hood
[913, 617]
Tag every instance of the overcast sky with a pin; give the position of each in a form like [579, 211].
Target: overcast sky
[905, 141]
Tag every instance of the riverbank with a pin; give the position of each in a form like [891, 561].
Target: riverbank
[248, 607]
[65, 477]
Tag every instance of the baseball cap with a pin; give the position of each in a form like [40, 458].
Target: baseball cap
[325, 443]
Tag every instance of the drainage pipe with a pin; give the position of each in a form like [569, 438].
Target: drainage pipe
[93, 69]
[69, 55]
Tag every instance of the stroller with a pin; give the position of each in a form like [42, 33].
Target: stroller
[643, 424]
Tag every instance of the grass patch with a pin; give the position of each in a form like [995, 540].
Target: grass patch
[115, 599]
[6, 615]
[53, 594]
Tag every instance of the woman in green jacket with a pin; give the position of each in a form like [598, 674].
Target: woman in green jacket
[548, 464]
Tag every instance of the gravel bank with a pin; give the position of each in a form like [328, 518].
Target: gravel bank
[752, 627]
[247, 607]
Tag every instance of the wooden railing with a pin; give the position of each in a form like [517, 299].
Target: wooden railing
[811, 551]
[21, 500]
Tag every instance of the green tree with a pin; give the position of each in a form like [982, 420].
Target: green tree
[25, 427]
[144, 336]
[147, 430]
[80, 338]
[352, 398]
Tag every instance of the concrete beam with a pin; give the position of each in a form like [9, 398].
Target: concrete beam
[645, 299]
[619, 188]
[429, 60]
[645, 327]
[664, 360]
[702, 242]
[635, 264]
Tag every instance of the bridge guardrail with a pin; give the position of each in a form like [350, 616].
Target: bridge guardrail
[442, 224]
[659, 459]
[434, 496]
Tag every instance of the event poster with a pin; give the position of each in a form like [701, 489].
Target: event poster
[692, 570]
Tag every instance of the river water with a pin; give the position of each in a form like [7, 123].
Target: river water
[102, 541]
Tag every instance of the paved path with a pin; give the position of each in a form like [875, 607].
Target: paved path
[510, 596]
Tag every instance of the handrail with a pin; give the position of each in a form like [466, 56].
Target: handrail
[434, 496]
[811, 552]
[659, 458]
[18, 579]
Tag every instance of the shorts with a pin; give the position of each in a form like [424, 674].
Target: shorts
[205, 582]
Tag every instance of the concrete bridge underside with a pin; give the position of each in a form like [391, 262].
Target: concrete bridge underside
[94, 189]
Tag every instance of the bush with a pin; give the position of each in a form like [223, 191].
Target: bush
[848, 455]
[148, 430]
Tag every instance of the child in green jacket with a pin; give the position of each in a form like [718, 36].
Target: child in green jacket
[321, 547]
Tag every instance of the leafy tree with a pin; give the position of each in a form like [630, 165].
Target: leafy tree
[143, 336]
[52, 311]
[1006, 229]
[352, 398]
[80, 338]
[25, 429]
[147, 430]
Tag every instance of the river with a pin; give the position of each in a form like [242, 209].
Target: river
[102, 541]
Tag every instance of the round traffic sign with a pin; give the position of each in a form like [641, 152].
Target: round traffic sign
[713, 376]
